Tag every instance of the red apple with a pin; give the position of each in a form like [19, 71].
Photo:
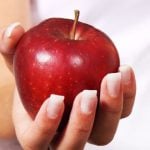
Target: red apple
[61, 56]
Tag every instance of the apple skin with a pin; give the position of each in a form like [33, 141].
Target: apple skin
[48, 62]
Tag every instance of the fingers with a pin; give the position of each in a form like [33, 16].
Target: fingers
[45, 127]
[116, 100]
[80, 122]
[129, 89]
[9, 39]
[113, 104]
[109, 111]
[38, 133]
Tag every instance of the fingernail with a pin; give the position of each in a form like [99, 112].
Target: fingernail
[10, 28]
[126, 74]
[54, 106]
[113, 84]
[88, 101]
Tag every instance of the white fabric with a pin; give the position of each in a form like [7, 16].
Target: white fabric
[128, 24]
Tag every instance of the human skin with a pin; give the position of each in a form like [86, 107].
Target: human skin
[116, 102]
[10, 11]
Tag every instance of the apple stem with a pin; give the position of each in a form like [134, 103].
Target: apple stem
[73, 30]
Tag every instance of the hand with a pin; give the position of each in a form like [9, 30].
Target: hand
[38, 133]
[116, 101]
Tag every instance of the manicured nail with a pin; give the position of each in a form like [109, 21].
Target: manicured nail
[10, 28]
[113, 84]
[88, 101]
[54, 106]
[126, 74]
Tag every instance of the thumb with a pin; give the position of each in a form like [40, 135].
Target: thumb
[9, 39]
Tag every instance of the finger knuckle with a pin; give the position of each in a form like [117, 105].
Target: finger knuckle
[113, 109]
[81, 130]
[44, 130]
